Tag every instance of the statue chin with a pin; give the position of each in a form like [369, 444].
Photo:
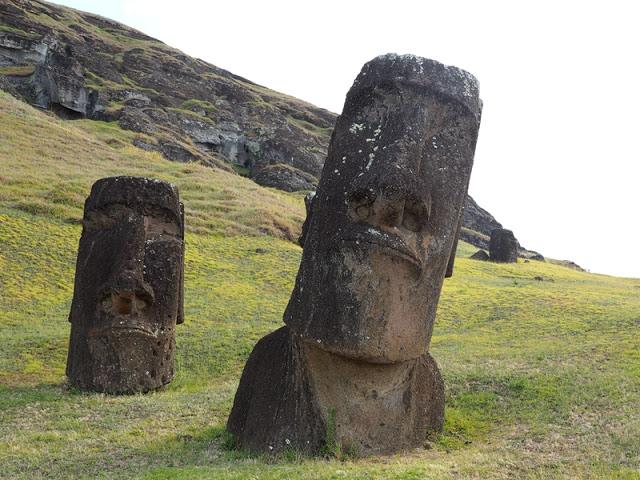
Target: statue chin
[130, 360]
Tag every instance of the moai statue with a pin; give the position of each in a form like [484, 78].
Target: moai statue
[128, 293]
[352, 365]
[503, 246]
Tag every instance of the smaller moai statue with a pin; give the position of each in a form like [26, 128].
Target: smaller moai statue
[503, 246]
[128, 291]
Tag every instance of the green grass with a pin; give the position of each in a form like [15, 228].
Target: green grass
[19, 32]
[200, 105]
[465, 249]
[19, 71]
[309, 127]
[542, 377]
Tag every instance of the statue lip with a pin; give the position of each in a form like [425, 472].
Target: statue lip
[387, 242]
[123, 325]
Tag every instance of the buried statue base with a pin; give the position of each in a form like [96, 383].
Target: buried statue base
[293, 394]
[352, 365]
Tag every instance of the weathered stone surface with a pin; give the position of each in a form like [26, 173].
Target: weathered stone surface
[480, 255]
[503, 246]
[55, 80]
[353, 358]
[128, 292]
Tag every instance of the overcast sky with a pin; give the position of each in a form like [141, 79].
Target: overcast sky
[557, 160]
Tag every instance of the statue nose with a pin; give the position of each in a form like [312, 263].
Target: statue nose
[128, 303]
[386, 211]
[390, 207]
[128, 294]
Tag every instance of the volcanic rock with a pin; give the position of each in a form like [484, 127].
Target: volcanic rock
[503, 247]
[480, 255]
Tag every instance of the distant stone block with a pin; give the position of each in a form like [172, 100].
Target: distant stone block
[503, 246]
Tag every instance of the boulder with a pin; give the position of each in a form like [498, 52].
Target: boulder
[503, 246]
[285, 177]
[480, 255]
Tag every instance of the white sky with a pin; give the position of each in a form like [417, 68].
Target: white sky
[557, 160]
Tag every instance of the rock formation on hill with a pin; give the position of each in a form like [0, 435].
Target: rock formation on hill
[79, 64]
[83, 65]
[352, 365]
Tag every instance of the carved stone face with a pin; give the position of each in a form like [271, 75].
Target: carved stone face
[128, 288]
[386, 212]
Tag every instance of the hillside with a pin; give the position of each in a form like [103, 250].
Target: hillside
[540, 362]
[85, 66]
[80, 65]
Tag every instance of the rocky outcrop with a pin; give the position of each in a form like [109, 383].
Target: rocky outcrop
[285, 177]
[569, 264]
[45, 73]
[82, 65]
[478, 219]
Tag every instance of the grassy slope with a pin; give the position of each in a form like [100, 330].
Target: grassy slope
[543, 377]
[48, 167]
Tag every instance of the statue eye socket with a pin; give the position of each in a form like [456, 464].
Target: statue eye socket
[106, 218]
[415, 216]
[364, 196]
[156, 227]
[361, 202]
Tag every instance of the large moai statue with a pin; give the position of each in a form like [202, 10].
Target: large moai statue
[503, 246]
[128, 292]
[352, 365]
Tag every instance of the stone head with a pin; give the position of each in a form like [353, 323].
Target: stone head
[128, 293]
[386, 213]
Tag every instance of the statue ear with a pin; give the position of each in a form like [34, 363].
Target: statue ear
[454, 247]
[308, 203]
[180, 318]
